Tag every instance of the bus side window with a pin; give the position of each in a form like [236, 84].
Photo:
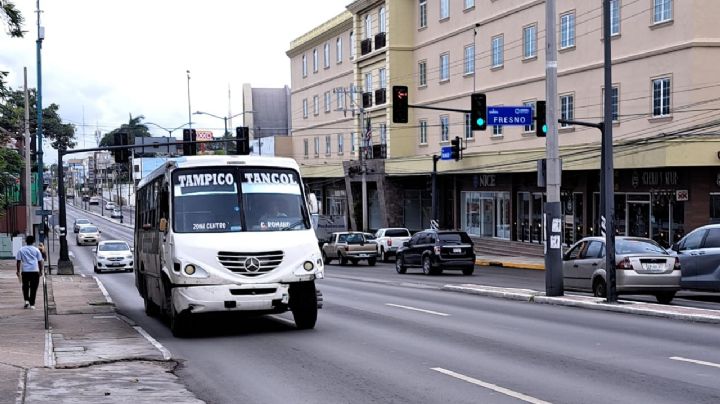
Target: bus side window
[164, 207]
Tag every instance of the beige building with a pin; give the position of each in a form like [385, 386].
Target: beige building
[665, 107]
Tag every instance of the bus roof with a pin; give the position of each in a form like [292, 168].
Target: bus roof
[215, 160]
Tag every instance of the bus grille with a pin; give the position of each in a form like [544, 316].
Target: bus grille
[250, 263]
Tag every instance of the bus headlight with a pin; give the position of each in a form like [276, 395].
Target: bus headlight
[308, 266]
[190, 269]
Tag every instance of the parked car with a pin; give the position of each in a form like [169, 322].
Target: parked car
[94, 200]
[79, 223]
[642, 267]
[389, 240]
[113, 255]
[699, 254]
[350, 246]
[116, 214]
[435, 251]
[88, 234]
[110, 206]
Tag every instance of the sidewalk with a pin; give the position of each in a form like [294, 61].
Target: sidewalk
[511, 262]
[90, 353]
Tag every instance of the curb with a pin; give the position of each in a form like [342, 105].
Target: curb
[509, 264]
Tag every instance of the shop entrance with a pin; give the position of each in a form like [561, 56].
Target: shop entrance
[529, 216]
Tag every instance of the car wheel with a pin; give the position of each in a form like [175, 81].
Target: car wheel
[665, 297]
[354, 261]
[469, 270]
[372, 261]
[400, 264]
[325, 259]
[599, 287]
[343, 260]
[427, 265]
[95, 269]
[383, 256]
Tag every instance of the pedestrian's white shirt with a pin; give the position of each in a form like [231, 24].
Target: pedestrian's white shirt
[29, 256]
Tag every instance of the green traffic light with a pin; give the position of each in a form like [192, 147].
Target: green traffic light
[544, 128]
[480, 122]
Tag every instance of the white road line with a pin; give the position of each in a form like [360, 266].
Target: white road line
[493, 387]
[695, 361]
[437, 313]
[103, 290]
[165, 353]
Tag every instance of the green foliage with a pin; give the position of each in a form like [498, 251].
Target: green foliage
[12, 116]
[10, 168]
[11, 17]
[134, 128]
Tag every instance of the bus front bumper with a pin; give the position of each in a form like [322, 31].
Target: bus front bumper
[219, 298]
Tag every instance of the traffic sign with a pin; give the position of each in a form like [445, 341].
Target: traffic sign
[510, 116]
[446, 153]
[44, 212]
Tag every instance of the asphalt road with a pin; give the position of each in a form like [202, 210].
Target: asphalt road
[382, 338]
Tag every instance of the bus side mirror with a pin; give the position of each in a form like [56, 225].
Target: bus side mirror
[163, 225]
[312, 203]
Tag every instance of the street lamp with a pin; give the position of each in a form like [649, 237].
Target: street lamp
[170, 131]
[189, 109]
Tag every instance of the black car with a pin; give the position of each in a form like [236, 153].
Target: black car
[437, 250]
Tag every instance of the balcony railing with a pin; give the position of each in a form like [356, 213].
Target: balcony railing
[380, 96]
[366, 46]
[379, 40]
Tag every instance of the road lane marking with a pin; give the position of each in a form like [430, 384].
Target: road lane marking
[103, 290]
[490, 386]
[695, 361]
[437, 313]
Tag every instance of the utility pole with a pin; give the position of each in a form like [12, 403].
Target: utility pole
[41, 180]
[28, 157]
[608, 168]
[434, 196]
[553, 219]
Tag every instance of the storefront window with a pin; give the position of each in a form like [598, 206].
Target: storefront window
[530, 216]
[416, 210]
[714, 208]
[523, 216]
[486, 214]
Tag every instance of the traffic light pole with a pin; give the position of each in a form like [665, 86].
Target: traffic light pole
[434, 209]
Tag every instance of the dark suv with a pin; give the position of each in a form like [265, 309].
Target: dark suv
[437, 250]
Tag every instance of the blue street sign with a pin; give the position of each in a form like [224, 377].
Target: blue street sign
[446, 153]
[44, 212]
[506, 116]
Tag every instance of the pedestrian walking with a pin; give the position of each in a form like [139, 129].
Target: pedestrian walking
[29, 265]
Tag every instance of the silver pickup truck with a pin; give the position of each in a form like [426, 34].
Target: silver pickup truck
[350, 247]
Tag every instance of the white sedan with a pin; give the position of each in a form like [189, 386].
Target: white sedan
[113, 255]
[110, 205]
[88, 234]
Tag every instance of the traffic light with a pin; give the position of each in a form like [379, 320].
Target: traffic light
[540, 123]
[478, 111]
[189, 135]
[456, 148]
[121, 155]
[400, 104]
[242, 145]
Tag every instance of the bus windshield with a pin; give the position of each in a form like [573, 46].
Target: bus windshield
[229, 199]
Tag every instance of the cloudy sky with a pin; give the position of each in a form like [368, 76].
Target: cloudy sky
[107, 59]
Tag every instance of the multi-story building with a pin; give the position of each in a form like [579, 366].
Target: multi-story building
[665, 103]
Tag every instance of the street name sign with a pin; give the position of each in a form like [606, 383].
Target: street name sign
[510, 116]
[44, 212]
[446, 153]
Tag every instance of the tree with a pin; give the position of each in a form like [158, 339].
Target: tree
[10, 168]
[134, 128]
[13, 20]
[12, 118]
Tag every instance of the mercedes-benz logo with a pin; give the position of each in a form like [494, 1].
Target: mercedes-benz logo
[252, 264]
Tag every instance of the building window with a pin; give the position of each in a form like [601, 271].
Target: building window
[306, 147]
[566, 109]
[326, 55]
[530, 41]
[614, 17]
[469, 4]
[304, 65]
[445, 67]
[328, 144]
[662, 10]
[422, 72]
[468, 127]
[383, 133]
[383, 77]
[444, 9]
[423, 131]
[422, 12]
[614, 103]
[315, 61]
[328, 101]
[368, 26]
[341, 143]
[352, 45]
[531, 127]
[305, 108]
[368, 82]
[382, 20]
[661, 97]
[353, 90]
[316, 105]
[567, 30]
[317, 146]
[338, 50]
[497, 130]
[353, 142]
[497, 51]
[469, 59]
[339, 99]
[444, 128]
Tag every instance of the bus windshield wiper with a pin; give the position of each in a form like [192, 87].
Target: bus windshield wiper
[290, 227]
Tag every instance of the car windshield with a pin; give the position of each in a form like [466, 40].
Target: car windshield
[119, 246]
[209, 200]
[82, 221]
[638, 246]
[455, 238]
[397, 233]
[88, 229]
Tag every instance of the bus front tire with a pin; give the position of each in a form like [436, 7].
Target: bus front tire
[179, 323]
[304, 304]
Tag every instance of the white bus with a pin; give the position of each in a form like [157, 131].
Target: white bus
[226, 233]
